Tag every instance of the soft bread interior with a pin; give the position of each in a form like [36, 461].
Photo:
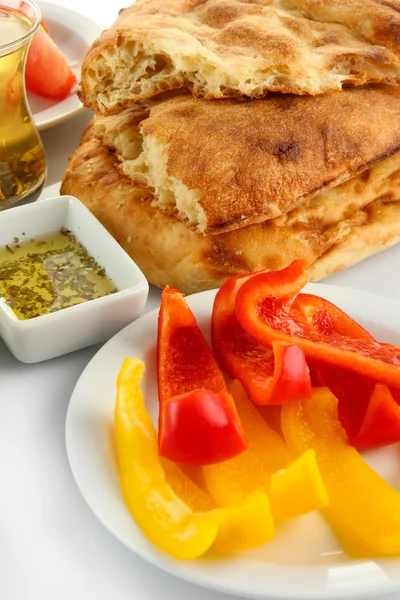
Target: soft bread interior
[129, 71]
[135, 71]
[144, 161]
[170, 193]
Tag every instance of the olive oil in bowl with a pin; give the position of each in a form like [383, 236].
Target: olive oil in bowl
[49, 273]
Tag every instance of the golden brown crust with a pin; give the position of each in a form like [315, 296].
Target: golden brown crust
[342, 226]
[377, 21]
[247, 162]
[374, 229]
[239, 48]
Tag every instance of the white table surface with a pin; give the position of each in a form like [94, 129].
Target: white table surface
[51, 546]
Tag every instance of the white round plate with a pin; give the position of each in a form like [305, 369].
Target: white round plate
[305, 561]
[73, 33]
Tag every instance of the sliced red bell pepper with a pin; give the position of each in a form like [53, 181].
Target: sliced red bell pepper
[176, 515]
[264, 309]
[200, 428]
[381, 423]
[269, 376]
[185, 361]
[367, 410]
[198, 421]
[291, 380]
[352, 390]
[327, 318]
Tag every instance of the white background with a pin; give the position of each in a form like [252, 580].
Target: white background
[51, 546]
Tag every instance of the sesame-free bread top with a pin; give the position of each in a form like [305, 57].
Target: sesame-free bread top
[332, 231]
[224, 164]
[238, 48]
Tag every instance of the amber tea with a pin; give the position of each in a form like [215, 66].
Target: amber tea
[22, 160]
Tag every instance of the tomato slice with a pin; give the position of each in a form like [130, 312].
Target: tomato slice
[47, 71]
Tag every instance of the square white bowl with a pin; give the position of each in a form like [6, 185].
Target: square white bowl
[92, 322]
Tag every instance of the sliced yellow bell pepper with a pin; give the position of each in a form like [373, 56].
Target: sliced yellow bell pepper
[230, 481]
[245, 525]
[364, 509]
[197, 498]
[298, 489]
[162, 515]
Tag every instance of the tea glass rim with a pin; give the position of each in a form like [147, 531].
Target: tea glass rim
[20, 41]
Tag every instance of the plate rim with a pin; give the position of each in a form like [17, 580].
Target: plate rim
[153, 556]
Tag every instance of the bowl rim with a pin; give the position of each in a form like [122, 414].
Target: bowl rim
[73, 203]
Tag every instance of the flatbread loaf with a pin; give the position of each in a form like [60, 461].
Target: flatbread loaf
[238, 48]
[336, 229]
[221, 165]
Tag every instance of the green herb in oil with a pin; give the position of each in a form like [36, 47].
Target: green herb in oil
[48, 274]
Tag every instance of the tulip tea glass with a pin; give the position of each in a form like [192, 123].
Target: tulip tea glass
[22, 159]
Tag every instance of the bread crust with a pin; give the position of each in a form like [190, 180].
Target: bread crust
[240, 163]
[241, 48]
[330, 232]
